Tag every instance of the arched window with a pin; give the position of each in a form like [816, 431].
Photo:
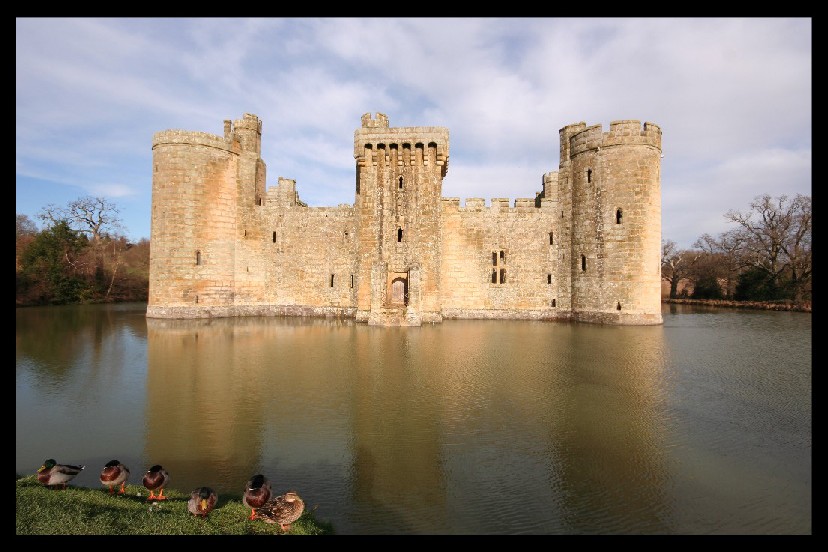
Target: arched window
[399, 234]
[198, 257]
[583, 263]
[618, 215]
[554, 302]
[619, 306]
[401, 180]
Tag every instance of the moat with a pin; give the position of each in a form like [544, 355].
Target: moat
[701, 425]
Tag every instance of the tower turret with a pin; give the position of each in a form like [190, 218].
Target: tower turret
[616, 223]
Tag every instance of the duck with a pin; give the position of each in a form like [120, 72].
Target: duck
[156, 478]
[114, 473]
[284, 510]
[202, 501]
[256, 493]
[51, 473]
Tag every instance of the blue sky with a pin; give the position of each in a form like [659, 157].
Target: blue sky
[732, 96]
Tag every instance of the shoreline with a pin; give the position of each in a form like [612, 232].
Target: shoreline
[755, 305]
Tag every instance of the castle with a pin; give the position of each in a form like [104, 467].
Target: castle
[586, 248]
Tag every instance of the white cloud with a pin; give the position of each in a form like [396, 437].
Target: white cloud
[732, 96]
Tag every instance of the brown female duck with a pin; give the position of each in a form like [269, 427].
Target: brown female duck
[284, 510]
[202, 501]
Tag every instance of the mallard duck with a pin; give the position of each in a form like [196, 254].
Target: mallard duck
[256, 493]
[156, 478]
[284, 510]
[202, 501]
[51, 473]
[114, 474]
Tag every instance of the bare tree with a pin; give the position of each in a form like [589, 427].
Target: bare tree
[94, 216]
[776, 238]
[676, 264]
[727, 249]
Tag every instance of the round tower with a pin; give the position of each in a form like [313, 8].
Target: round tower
[192, 223]
[615, 253]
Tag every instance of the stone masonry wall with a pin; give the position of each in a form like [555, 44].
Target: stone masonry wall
[586, 248]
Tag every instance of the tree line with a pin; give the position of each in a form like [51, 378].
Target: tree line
[766, 256]
[79, 256]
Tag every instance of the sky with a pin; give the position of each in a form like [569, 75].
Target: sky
[731, 95]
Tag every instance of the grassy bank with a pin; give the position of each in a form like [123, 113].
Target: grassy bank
[82, 511]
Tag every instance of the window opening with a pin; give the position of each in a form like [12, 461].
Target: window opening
[583, 263]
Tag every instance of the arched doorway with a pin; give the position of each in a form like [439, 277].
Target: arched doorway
[399, 291]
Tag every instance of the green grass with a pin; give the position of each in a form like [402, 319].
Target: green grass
[82, 511]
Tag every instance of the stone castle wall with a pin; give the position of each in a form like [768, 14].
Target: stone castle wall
[586, 248]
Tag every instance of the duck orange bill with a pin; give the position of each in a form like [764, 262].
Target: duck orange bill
[203, 503]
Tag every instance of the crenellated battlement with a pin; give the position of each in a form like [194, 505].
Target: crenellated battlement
[191, 138]
[497, 205]
[628, 132]
[381, 121]
[406, 145]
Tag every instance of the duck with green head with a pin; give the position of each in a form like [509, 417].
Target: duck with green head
[156, 478]
[256, 493]
[51, 473]
[114, 473]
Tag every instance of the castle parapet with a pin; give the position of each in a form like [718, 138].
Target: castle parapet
[410, 144]
[381, 121]
[190, 138]
[475, 204]
[285, 194]
[450, 203]
[500, 204]
[623, 132]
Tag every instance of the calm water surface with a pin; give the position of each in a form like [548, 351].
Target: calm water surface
[699, 426]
